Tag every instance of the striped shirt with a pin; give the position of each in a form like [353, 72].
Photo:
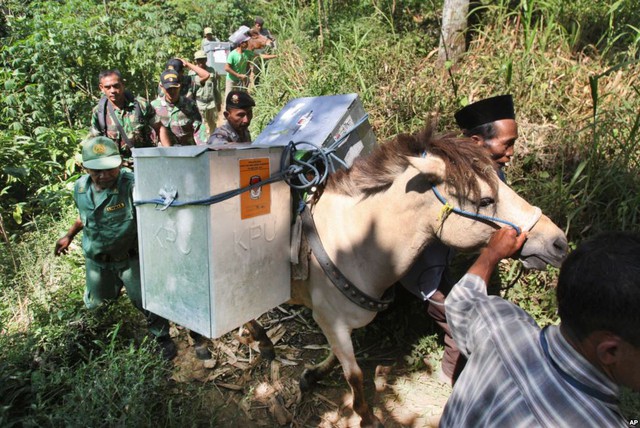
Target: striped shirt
[511, 379]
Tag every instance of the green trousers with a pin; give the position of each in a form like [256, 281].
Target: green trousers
[104, 282]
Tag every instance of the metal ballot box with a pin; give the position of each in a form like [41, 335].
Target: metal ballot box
[322, 121]
[211, 268]
[220, 52]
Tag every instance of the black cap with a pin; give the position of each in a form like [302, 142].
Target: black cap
[485, 111]
[169, 79]
[259, 20]
[239, 99]
[175, 64]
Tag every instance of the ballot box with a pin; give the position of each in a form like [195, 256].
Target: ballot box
[338, 121]
[212, 267]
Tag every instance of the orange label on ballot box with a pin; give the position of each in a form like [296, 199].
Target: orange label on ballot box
[257, 201]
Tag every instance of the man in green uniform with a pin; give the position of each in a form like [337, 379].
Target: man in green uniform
[104, 198]
[177, 119]
[207, 93]
[121, 116]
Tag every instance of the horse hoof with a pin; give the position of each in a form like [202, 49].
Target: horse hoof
[202, 352]
[307, 380]
[268, 354]
[375, 423]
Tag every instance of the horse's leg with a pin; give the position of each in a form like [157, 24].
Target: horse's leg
[342, 347]
[264, 343]
[313, 374]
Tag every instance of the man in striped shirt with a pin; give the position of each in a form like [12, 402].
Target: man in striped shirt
[561, 376]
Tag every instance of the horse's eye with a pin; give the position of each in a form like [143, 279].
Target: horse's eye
[485, 202]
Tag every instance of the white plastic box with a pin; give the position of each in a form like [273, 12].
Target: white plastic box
[212, 268]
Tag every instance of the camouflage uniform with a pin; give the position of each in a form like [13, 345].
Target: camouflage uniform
[226, 134]
[182, 119]
[138, 129]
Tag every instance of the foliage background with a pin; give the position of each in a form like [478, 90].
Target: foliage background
[572, 67]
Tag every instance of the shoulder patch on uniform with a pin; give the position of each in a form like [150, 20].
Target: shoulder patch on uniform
[115, 207]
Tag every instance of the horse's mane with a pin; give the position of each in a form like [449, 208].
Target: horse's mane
[464, 159]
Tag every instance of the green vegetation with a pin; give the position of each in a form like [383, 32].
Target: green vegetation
[572, 67]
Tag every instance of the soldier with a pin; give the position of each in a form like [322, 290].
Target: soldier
[104, 198]
[188, 87]
[238, 114]
[207, 94]
[177, 120]
[121, 116]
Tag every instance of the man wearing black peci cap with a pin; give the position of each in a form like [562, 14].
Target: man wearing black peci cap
[238, 114]
[491, 123]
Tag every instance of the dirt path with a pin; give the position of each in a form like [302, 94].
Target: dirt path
[250, 392]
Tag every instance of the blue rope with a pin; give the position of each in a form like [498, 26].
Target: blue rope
[467, 213]
[213, 199]
[474, 215]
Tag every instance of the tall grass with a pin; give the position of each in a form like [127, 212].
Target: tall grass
[61, 365]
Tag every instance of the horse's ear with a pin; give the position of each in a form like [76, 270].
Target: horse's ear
[431, 166]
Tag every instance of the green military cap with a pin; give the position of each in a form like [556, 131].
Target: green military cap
[239, 100]
[100, 153]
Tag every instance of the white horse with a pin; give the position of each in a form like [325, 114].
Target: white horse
[376, 218]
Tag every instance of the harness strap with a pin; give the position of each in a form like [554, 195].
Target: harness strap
[123, 134]
[346, 287]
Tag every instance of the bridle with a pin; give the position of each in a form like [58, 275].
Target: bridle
[447, 209]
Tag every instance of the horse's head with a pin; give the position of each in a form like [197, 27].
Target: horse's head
[473, 203]
[258, 41]
[465, 176]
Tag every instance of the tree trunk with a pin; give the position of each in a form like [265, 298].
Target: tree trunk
[454, 24]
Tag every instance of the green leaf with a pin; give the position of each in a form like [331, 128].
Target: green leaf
[17, 214]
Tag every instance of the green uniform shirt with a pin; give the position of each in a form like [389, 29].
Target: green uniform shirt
[109, 218]
[138, 129]
[207, 94]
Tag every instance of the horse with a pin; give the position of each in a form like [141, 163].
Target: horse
[375, 218]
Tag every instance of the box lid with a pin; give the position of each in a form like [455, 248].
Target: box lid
[309, 119]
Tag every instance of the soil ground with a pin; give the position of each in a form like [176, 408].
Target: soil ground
[248, 391]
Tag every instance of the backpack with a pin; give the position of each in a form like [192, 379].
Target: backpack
[102, 110]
